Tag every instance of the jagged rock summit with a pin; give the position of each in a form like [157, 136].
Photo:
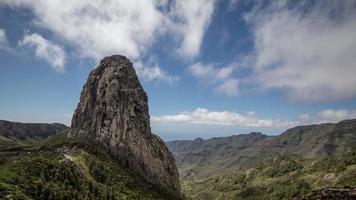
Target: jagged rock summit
[113, 111]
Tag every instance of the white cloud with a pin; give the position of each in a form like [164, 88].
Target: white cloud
[4, 44]
[193, 18]
[99, 28]
[104, 27]
[204, 116]
[201, 71]
[153, 73]
[229, 87]
[331, 115]
[2, 36]
[328, 115]
[221, 78]
[46, 50]
[307, 50]
[251, 120]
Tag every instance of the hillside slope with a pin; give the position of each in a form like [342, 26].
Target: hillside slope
[247, 150]
[63, 168]
[22, 131]
[298, 164]
[283, 177]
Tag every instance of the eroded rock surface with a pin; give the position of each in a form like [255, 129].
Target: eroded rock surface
[113, 111]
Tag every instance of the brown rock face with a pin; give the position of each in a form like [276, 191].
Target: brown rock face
[113, 111]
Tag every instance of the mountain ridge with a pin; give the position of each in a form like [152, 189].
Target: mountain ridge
[246, 150]
[21, 131]
[301, 163]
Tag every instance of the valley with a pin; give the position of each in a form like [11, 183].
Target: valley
[255, 166]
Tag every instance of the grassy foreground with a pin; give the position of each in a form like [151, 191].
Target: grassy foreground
[76, 170]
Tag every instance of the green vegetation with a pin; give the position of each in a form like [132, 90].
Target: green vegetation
[62, 168]
[7, 143]
[282, 177]
[75, 168]
[302, 160]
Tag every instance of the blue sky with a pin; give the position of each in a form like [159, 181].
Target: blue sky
[210, 67]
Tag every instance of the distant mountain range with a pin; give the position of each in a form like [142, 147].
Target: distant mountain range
[296, 162]
[19, 134]
[246, 150]
[22, 131]
[305, 162]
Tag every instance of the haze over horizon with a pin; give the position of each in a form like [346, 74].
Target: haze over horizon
[210, 68]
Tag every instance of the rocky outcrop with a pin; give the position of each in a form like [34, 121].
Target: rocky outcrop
[22, 131]
[113, 112]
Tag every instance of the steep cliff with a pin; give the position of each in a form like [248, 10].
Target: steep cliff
[113, 112]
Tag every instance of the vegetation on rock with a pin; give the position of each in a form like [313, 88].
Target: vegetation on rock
[61, 168]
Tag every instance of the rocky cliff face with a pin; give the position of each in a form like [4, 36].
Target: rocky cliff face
[113, 111]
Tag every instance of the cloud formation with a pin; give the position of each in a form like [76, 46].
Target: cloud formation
[306, 49]
[4, 44]
[221, 78]
[104, 27]
[331, 115]
[328, 115]
[229, 87]
[251, 120]
[2, 36]
[204, 116]
[153, 73]
[192, 18]
[46, 50]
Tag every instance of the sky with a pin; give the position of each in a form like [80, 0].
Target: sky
[211, 68]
